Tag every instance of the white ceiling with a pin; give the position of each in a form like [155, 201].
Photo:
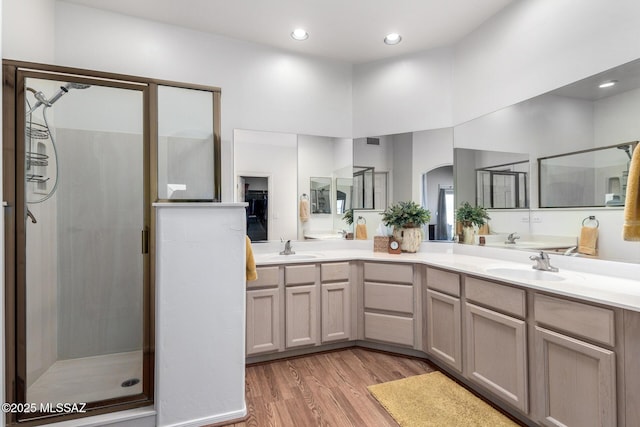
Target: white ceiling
[345, 30]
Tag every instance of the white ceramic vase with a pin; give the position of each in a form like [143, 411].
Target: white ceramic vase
[468, 235]
[410, 238]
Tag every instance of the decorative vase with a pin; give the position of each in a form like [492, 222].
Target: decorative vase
[410, 238]
[468, 235]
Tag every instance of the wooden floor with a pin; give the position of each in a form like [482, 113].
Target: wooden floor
[326, 389]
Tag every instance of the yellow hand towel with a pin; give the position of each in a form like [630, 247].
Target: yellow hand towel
[361, 231]
[588, 241]
[304, 210]
[252, 272]
[631, 227]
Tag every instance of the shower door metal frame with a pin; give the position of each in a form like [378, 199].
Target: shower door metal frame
[14, 75]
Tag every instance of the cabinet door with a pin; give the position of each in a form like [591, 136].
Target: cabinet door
[496, 354]
[336, 313]
[263, 326]
[577, 382]
[444, 331]
[302, 315]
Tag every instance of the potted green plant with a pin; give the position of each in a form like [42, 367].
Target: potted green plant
[407, 219]
[468, 216]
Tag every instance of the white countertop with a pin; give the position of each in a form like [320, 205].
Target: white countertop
[604, 282]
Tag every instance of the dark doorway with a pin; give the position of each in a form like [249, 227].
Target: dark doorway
[256, 194]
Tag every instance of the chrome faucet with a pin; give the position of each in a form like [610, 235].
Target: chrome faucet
[511, 239]
[542, 262]
[287, 249]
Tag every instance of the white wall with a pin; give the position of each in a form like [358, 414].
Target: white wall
[28, 30]
[535, 46]
[616, 119]
[200, 317]
[403, 94]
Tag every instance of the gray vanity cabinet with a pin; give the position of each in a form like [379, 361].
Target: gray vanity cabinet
[263, 312]
[443, 317]
[496, 340]
[302, 305]
[336, 301]
[389, 303]
[576, 379]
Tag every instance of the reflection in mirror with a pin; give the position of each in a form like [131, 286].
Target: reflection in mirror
[271, 157]
[186, 150]
[437, 188]
[400, 163]
[578, 117]
[363, 187]
[492, 179]
[503, 186]
[344, 188]
[596, 177]
[320, 195]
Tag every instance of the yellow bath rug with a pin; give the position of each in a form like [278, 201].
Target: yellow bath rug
[434, 400]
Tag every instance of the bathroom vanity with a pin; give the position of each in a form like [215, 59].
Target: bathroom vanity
[550, 348]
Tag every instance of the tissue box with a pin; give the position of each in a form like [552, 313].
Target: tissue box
[381, 243]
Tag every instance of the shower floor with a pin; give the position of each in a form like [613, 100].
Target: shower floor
[88, 379]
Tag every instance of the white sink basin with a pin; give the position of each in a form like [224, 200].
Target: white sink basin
[518, 273]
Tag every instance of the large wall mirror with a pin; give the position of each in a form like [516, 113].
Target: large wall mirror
[273, 171]
[581, 118]
[406, 166]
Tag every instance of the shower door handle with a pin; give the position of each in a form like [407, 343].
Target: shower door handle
[145, 241]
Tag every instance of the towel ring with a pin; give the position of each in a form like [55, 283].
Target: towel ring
[361, 220]
[304, 196]
[591, 218]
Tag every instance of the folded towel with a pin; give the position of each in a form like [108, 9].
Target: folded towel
[631, 227]
[304, 210]
[252, 272]
[588, 240]
[361, 231]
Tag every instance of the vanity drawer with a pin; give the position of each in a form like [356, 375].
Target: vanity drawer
[384, 327]
[580, 319]
[334, 271]
[267, 277]
[443, 281]
[503, 298]
[385, 272]
[299, 274]
[383, 296]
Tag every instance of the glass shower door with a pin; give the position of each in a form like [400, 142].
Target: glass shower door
[84, 268]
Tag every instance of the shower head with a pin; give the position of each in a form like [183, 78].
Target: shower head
[64, 89]
[625, 148]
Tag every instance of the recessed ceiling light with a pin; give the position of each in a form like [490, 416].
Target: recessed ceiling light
[393, 38]
[299, 34]
[608, 84]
